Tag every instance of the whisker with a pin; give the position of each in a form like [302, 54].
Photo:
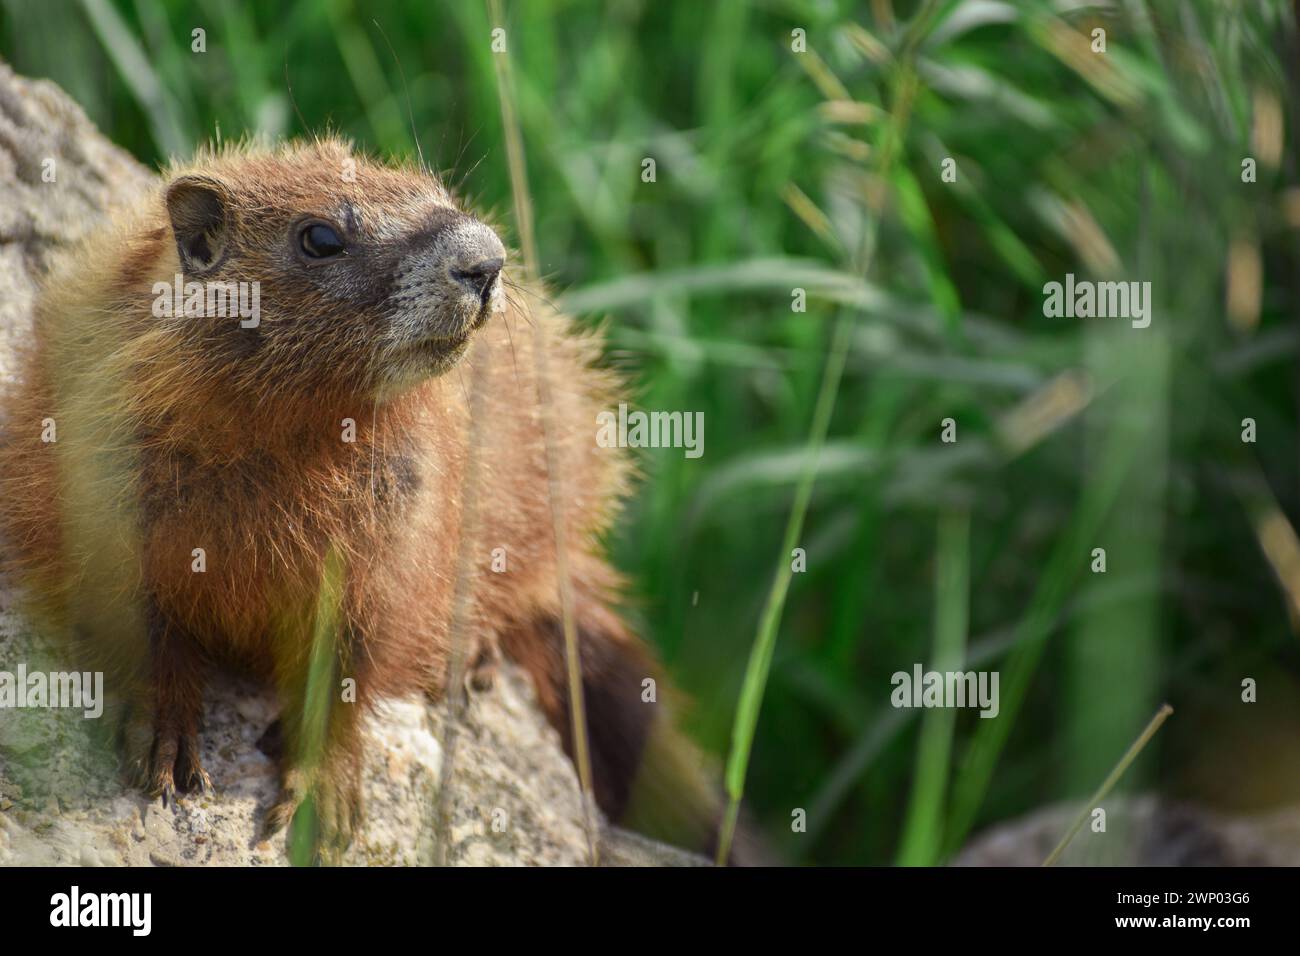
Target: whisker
[521, 310]
[289, 88]
[460, 181]
[534, 293]
[460, 375]
[419, 152]
[511, 338]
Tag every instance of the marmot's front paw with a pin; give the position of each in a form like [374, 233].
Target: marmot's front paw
[164, 761]
[330, 803]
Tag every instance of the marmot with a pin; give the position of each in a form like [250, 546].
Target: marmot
[283, 493]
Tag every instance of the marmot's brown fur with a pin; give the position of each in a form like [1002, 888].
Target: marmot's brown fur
[322, 558]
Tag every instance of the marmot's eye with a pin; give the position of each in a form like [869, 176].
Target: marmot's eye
[320, 241]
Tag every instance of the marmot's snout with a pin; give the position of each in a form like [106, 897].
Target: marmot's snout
[448, 284]
[465, 263]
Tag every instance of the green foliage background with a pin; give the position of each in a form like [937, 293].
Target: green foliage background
[821, 170]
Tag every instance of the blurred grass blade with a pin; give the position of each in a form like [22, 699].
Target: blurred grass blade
[760, 659]
[139, 76]
[923, 824]
[753, 275]
[1109, 783]
[555, 479]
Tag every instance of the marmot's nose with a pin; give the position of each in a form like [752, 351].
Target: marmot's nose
[474, 259]
[479, 276]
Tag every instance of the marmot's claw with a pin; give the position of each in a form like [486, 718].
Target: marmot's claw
[293, 790]
[189, 771]
[277, 818]
[198, 782]
[336, 800]
[166, 763]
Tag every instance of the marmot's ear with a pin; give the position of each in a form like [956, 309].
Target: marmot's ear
[198, 207]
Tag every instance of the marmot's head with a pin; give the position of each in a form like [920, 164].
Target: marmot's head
[369, 278]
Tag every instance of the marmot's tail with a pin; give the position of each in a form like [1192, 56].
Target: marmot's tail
[646, 774]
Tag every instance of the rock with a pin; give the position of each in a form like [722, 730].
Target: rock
[45, 134]
[69, 805]
[1142, 831]
[513, 795]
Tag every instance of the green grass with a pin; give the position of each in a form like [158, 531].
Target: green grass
[821, 171]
